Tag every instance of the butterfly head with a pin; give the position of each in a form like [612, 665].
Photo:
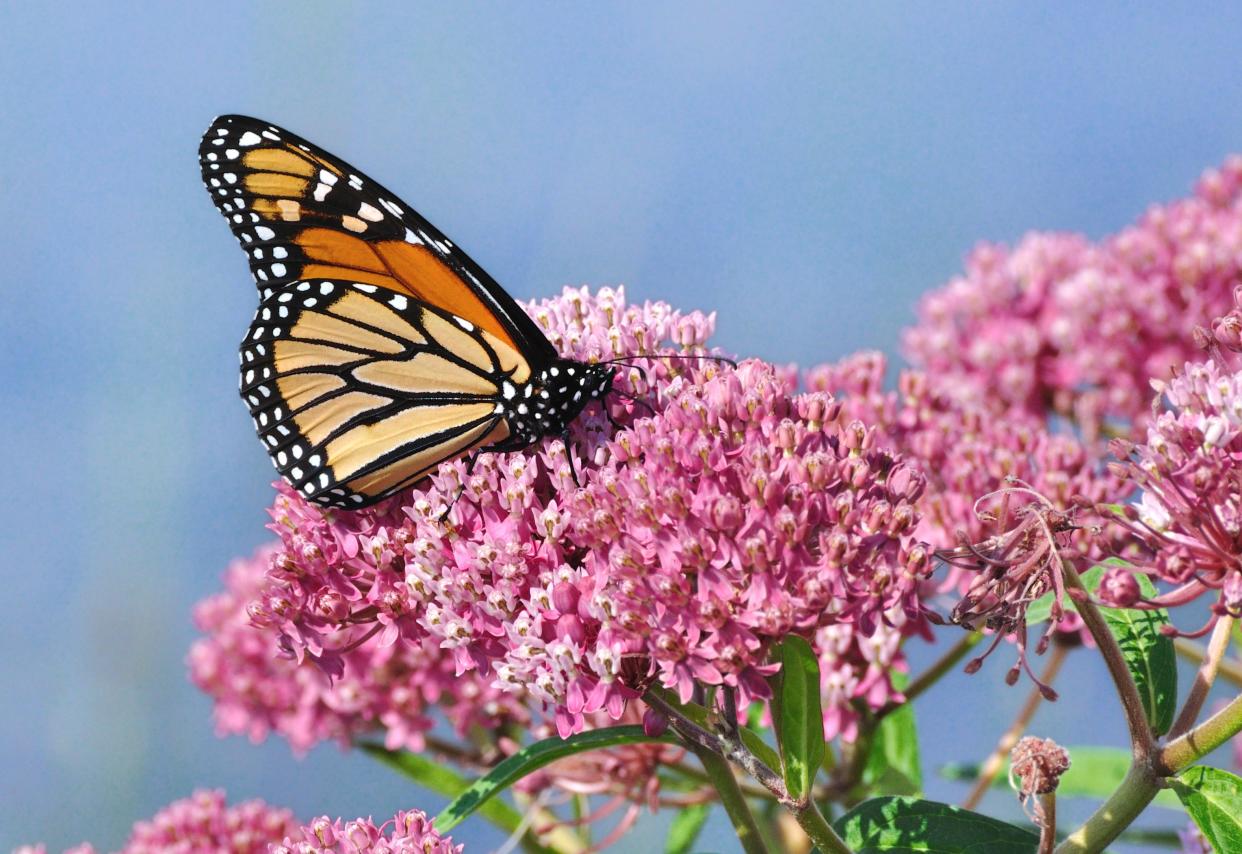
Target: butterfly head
[553, 398]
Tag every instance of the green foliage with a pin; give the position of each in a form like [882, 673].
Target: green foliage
[685, 830]
[530, 759]
[893, 765]
[1149, 655]
[1214, 800]
[905, 825]
[802, 719]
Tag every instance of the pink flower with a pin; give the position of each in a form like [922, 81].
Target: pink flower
[1190, 471]
[203, 822]
[726, 511]
[408, 832]
[1061, 325]
[258, 690]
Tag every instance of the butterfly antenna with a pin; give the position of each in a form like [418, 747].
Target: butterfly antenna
[632, 399]
[642, 372]
[685, 357]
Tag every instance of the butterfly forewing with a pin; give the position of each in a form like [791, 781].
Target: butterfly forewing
[358, 391]
[301, 214]
[379, 349]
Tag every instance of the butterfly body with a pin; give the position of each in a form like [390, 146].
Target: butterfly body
[551, 401]
[379, 350]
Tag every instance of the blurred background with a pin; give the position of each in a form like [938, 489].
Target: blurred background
[804, 173]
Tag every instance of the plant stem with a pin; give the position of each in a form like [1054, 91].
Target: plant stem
[1178, 754]
[689, 771]
[733, 800]
[1122, 807]
[728, 746]
[1048, 824]
[933, 674]
[817, 827]
[996, 761]
[1142, 782]
[1227, 668]
[1216, 647]
[1142, 743]
[715, 750]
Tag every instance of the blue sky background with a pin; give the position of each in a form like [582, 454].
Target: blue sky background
[804, 171]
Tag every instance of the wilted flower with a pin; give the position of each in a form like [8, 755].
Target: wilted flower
[1037, 764]
[1020, 563]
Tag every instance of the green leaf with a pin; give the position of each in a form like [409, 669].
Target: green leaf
[686, 826]
[439, 778]
[802, 719]
[904, 825]
[1149, 654]
[1214, 800]
[1094, 772]
[1150, 657]
[893, 766]
[530, 759]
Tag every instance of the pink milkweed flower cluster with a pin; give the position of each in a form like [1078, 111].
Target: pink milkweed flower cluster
[1190, 472]
[1001, 492]
[390, 688]
[968, 451]
[1059, 324]
[203, 822]
[728, 511]
[407, 832]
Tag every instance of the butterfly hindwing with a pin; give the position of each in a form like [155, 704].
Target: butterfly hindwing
[302, 214]
[358, 391]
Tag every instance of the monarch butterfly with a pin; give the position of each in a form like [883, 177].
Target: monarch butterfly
[379, 349]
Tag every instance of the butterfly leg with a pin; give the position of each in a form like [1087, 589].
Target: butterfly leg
[569, 455]
[461, 487]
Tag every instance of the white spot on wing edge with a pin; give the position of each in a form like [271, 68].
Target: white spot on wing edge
[249, 138]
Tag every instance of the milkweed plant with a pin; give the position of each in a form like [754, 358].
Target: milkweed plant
[705, 599]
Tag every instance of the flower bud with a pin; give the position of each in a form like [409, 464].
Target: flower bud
[1119, 588]
[570, 628]
[565, 598]
[1038, 764]
[655, 724]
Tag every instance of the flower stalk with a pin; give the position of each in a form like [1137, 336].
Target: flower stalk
[1204, 678]
[1142, 742]
[731, 797]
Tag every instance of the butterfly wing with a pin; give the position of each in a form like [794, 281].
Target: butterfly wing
[301, 213]
[359, 391]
